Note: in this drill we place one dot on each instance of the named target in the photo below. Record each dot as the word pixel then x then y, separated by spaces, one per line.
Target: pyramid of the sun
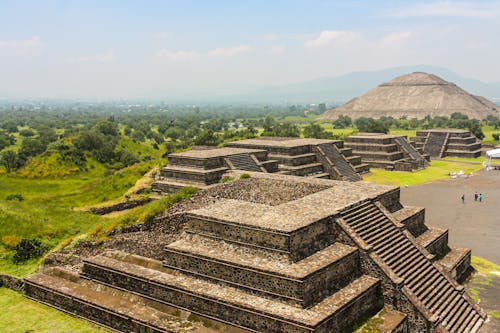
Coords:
pixel 416 95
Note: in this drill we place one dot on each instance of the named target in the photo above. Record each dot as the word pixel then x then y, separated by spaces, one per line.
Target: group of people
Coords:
pixel 477 197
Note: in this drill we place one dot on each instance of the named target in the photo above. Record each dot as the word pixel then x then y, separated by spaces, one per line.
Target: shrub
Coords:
pixel 10 241
pixel 496 136
pixel 28 249
pixel 17 196
pixel 244 176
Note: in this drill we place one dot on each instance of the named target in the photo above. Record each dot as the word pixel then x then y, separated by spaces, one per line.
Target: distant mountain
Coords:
pixel 342 88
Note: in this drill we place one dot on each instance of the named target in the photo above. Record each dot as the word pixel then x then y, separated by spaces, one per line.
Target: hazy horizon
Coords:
pixel 177 49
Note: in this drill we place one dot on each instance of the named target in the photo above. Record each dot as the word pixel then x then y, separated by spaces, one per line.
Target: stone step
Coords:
pixel 466 320
pixel 386 321
pixel 434 240
pixel 362 168
pixel 304 282
pixel 321 175
pixel 427 284
pixel 389 245
pixel 388 231
pixel 115 309
pixel 413 264
pixel 375 224
pixel 429 294
pixel 390 237
pixel 370 156
pixel 244 162
pixel 348 214
pixel 410 264
pixel 398 253
pixel 457 313
pixel 304 169
pixel 420 276
pixel 207 176
pixel 447 307
pixel 172 185
pixel 353 159
pixel 294 160
pixel 363 217
pixel 358 299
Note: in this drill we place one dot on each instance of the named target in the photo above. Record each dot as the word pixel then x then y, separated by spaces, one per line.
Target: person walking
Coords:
pixel 475 196
pixel 480 197
pixel 463 198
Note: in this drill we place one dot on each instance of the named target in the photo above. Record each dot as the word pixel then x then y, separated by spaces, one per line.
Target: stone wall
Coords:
pixel 83 309
pixel 119 206
pixel 190 300
pixel 299 244
pixel 306 291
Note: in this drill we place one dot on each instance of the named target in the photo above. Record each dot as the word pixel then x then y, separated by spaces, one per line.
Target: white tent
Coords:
pixel 492 154
pixel 495 153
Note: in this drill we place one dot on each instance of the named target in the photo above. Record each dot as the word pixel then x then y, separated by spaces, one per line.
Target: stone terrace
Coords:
pixel 391 152
pixel 440 143
pixel 322 261
pixel 316 158
pixel 205 166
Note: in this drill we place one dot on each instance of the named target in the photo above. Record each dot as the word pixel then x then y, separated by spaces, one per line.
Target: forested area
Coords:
pixel 75 132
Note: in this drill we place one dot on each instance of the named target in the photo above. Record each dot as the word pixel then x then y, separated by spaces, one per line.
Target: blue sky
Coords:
pixel 178 49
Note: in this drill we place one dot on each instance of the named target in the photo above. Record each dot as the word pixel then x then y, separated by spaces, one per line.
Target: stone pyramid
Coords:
pixel 416 95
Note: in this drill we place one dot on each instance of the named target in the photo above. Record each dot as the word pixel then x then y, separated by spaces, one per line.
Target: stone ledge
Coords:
pixel 179 288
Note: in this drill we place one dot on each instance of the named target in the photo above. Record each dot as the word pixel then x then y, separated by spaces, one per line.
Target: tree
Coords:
pixel 475 128
pixel 371 125
pixel 207 138
pixel 9 160
pixel 286 130
pixel 107 127
pixel 314 130
pixel 342 122
pixel 32 147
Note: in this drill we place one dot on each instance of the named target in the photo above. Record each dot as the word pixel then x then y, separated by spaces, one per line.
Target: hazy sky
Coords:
pixel 165 49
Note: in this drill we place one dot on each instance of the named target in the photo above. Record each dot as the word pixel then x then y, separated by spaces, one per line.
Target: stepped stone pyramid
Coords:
pixel 415 95
pixel 205 166
pixel 276 253
pixel 447 142
pixel 391 152
pixel 309 157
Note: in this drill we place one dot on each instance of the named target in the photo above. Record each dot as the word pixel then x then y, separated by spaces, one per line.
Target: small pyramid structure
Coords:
pixel 415 95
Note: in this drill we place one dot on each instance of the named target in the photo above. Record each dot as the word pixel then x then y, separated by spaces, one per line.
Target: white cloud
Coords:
pixel 22 47
pixel 177 55
pixel 448 9
pixel 229 51
pixel 105 57
pixel 327 37
pixel 396 38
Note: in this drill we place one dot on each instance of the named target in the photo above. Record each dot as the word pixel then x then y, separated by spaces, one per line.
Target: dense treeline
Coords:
pixel 79 131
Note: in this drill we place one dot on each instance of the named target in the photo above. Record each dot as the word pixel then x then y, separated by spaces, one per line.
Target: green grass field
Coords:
pixel 21 315
pixel 439 169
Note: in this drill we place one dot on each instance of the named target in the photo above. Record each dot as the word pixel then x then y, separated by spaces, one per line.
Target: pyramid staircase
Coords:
pixel 244 162
pixel 338 161
pixel 440 143
pixel 411 151
pixel 439 295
